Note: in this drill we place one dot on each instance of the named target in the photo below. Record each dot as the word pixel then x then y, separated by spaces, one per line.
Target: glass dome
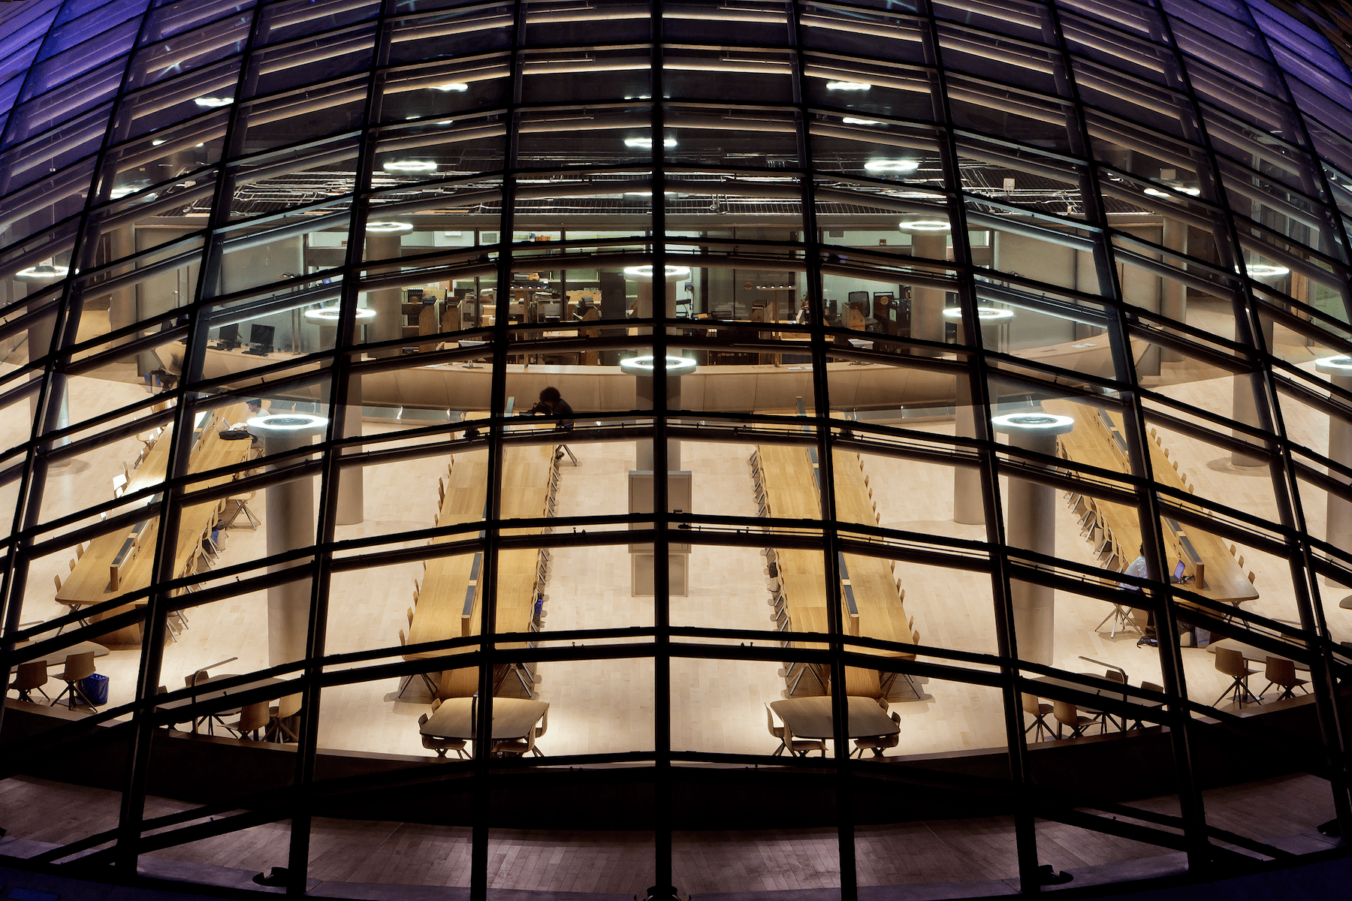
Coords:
pixel 989 523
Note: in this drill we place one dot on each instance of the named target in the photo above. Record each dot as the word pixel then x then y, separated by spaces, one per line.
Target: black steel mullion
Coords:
pixel 1025 834
pixel 1336 731
pixel 330 485
pixel 138 755
pixel 831 547
pixel 1148 512
pixel 662 770
pixel 488 582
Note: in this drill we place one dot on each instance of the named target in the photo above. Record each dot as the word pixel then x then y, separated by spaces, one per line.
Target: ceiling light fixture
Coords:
pixel 924 225
pixel 647 271
pixel 847 86
pixel 213 102
pixel 1265 270
pixel 333 314
pixel 410 166
pixel 456 87
pixel 647 143
pixel 43 272
pixel 902 166
pixel 388 228
pixel 851 120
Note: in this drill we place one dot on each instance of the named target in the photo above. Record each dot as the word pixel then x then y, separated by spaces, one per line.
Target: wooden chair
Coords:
pixel 78 667
pixel 1282 672
pixel 241 502
pixel 440 745
pixel 1033 706
pixel 801 747
pixel 1232 663
pixel 252 717
pixel 1067 715
pixel 410 619
pixel 515 747
pixel 431 686
pixel 775 731
pixel 30 677
pixel 879 743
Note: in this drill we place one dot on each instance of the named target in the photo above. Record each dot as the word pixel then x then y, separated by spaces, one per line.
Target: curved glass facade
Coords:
pixel 1005 423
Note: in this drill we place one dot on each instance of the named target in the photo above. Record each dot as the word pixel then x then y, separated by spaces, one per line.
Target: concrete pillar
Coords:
pixel 39 345
pixel 927 304
pixel 122 302
pixel 290 524
pixel 642 556
pixel 1174 294
pixel 351 508
pixel 388 302
pixel 1245 406
pixel 1030 514
pixel 968 507
pixel 1338 528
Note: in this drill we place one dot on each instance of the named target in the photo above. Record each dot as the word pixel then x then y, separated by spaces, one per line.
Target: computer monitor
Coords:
pixel 1178 571
pixel 260 336
pixel 230 335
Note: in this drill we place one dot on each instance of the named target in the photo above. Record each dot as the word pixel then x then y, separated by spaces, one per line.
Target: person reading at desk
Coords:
pixel 552 404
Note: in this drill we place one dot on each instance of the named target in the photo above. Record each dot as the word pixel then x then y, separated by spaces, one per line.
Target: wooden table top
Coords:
pixel 206 693
pixel 90 581
pixel 1100 688
pixel 1091 443
pixel 512 718
pixel 811 717
pixel 1251 653
pixel 58 657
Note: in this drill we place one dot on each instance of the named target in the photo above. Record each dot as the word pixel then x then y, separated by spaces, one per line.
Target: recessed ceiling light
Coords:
pixel 647 143
pixel 213 102
pixel 43 272
pixel 410 166
pixel 851 120
pixel 647 271
pixel 457 87
pixel 902 166
pixel 157 142
pixel 924 225
pixel 388 227
pixel 847 86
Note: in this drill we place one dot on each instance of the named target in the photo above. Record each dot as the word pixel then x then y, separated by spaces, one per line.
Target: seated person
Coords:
pixel 552 404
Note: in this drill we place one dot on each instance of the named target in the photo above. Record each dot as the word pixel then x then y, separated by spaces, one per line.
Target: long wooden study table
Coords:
pixel 449 604
pixel 1097 440
pixel 872 601
pixel 132 550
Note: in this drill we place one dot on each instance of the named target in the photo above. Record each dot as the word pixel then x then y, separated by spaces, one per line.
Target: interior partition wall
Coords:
pixel 945 290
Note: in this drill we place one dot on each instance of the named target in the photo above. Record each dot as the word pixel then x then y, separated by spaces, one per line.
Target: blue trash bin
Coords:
pixel 95 688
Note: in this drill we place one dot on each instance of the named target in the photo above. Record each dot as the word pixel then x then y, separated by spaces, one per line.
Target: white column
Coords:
pixel 1030 516
pixel 927 304
pixel 351 482
pixel 291 524
pixel 386 302
pixel 1245 407
pixel 1338 527
pixel 968 507
pixel 1173 293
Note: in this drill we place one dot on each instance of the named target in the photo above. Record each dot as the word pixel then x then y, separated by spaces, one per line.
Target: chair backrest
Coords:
pixel 253 716
pixel 289 706
pixel 1113 675
pixel 195 678
pixel 79 666
pixel 1065 712
pixel 544 724
pixel 422 720
pixel 1281 671
pixel 1230 662
pixel 776 731
pixel 58 582
pixel 31 675
pixel 1151 686
pixel 436 704
pixel 1030 704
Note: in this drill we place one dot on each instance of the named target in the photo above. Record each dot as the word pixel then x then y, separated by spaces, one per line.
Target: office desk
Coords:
pixel 513 718
pixel 90 582
pixel 1092 443
pixel 811 718
pixel 206 693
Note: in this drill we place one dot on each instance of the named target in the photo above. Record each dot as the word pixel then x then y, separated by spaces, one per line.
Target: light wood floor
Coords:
pixel 717 705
